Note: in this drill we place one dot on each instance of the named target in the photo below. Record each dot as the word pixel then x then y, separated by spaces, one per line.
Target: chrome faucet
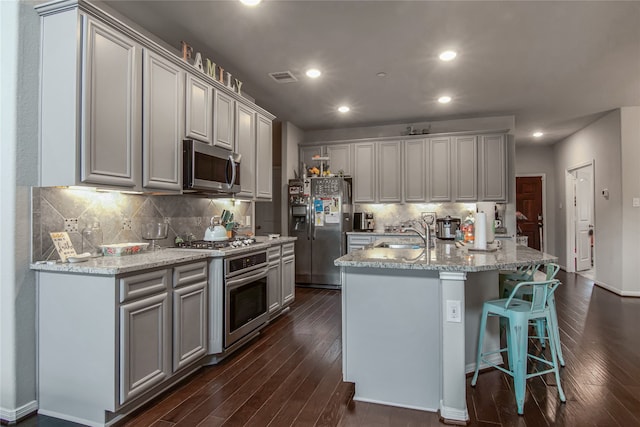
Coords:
pixel 426 236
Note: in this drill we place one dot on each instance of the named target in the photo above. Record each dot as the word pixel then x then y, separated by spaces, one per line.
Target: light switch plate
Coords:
pixel 636 202
pixel 453 311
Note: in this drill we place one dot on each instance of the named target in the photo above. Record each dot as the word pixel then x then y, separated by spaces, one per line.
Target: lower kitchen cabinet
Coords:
pixel 281 277
pixel 109 343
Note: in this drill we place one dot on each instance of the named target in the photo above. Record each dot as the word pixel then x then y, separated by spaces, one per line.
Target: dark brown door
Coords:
pixel 529 203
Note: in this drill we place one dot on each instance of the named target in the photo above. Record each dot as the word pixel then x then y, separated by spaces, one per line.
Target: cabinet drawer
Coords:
pixel 141 285
pixel 189 273
pixel 288 249
pixel 360 240
pixel 273 253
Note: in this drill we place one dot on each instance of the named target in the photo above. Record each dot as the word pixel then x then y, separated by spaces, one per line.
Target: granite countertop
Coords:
pixel 111 266
pixel 376 233
pixel 444 257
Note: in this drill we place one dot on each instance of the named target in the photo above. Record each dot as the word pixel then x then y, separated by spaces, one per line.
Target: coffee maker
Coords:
pixel 363 221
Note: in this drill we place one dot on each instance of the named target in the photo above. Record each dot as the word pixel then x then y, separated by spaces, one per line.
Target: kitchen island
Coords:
pixel 410 320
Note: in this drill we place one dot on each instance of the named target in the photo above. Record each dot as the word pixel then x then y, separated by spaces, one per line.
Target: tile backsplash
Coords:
pixel 121 216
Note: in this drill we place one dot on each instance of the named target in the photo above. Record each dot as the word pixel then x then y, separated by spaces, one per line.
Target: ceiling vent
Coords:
pixel 283 77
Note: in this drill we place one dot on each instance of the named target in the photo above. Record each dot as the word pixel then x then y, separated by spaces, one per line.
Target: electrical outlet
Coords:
pixel 167 220
pixel 71 225
pixel 126 223
pixel 453 311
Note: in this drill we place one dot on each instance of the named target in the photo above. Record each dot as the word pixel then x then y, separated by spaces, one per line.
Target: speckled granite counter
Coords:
pixel 111 266
pixel 444 257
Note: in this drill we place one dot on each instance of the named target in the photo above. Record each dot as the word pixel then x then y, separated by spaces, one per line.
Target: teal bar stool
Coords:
pixel 519 313
pixel 525 293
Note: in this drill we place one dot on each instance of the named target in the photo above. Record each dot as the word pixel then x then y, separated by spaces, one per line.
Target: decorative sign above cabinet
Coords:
pixel 211 69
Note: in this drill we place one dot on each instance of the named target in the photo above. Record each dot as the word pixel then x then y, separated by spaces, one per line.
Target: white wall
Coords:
pixel 630 136
pixel 291 138
pixel 19 32
pixel 470 124
pixel 600 141
pixel 532 160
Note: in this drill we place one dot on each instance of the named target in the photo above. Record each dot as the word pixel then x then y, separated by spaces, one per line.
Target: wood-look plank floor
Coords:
pixel 291 375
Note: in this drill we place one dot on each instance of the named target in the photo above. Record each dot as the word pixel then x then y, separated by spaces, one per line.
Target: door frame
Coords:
pixel 570 216
pixel 545 227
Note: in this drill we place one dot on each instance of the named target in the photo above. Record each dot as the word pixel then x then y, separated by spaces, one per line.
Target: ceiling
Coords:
pixel 555 66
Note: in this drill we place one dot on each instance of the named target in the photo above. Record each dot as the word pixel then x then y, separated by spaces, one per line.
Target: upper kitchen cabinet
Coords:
pixel 339 158
pixel 440 169
pixel 90 103
pixel 223 120
pixel 307 153
pixel 465 168
pixel 389 172
pixel 264 157
pixel 415 170
pixel 162 118
pixel 493 167
pixel 246 147
pixel 364 172
pixel 199 109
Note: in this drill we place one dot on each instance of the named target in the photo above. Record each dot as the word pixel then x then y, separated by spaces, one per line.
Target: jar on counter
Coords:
pixel 92 239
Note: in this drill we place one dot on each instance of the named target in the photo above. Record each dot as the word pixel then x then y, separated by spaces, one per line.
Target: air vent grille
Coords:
pixel 283 77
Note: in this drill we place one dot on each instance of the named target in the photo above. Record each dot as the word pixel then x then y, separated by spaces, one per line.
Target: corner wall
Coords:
pixel 599 142
pixel 291 137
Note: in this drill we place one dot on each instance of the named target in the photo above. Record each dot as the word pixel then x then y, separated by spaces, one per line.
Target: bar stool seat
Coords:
pixel 518 313
pixel 525 293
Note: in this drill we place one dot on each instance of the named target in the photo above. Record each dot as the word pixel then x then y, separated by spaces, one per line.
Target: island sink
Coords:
pixel 400 246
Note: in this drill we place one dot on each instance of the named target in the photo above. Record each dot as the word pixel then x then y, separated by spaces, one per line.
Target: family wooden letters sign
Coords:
pixel 210 68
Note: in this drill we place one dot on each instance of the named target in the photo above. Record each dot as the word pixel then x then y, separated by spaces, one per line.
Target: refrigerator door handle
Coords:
pixel 310 221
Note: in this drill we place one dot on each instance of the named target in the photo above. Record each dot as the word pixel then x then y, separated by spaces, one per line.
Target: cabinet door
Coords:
pixel 189 324
pixel 111 127
pixel 439 170
pixel 415 170
pixel 163 101
pixel 246 146
pixel 355 243
pixel 145 345
pixel 288 279
pixel 364 172
pixel 389 171
pixel 493 168
pixel 274 288
pixel 339 158
pixel 224 112
pixel 264 156
pixel 198 110
pixel 465 164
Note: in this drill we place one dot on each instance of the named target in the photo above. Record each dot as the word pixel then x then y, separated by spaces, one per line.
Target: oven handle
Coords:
pixel 247 278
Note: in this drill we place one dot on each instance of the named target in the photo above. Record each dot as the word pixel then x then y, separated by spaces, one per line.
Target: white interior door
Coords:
pixel 583 202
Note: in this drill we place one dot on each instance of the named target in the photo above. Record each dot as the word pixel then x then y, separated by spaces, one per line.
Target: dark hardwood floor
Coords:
pixel 291 375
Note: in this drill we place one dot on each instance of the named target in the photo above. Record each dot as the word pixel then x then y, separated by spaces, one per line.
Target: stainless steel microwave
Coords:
pixel 209 169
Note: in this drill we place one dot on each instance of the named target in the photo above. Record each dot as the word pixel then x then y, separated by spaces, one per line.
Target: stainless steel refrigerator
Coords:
pixel 320 217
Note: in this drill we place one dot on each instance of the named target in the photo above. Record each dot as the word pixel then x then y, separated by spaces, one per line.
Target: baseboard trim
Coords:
pixel 616 290
pixel 13 415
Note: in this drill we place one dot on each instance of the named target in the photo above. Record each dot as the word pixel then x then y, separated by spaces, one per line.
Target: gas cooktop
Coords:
pixel 225 244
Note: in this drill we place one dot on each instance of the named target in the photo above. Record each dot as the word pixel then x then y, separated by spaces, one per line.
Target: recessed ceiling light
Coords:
pixel 250 2
pixel 381 74
pixel 448 55
pixel 444 99
pixel 343 109
pixel 538 134
pixel 313 73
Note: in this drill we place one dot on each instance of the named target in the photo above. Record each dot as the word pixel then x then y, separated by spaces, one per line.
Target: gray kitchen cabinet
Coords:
pixel 274 281
pixel 246 146
pixel 465 168
pixel 440 169
pixel 162 118
pixel 493 168
pixel 264 158
pixel 224 112
pixel 364 172
pixel 357 242
pixel 389 172
pixel 189 313
pixel 288 274
pixel 198 109
pixel 145 333
pixel 339 158
pixel 415 170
